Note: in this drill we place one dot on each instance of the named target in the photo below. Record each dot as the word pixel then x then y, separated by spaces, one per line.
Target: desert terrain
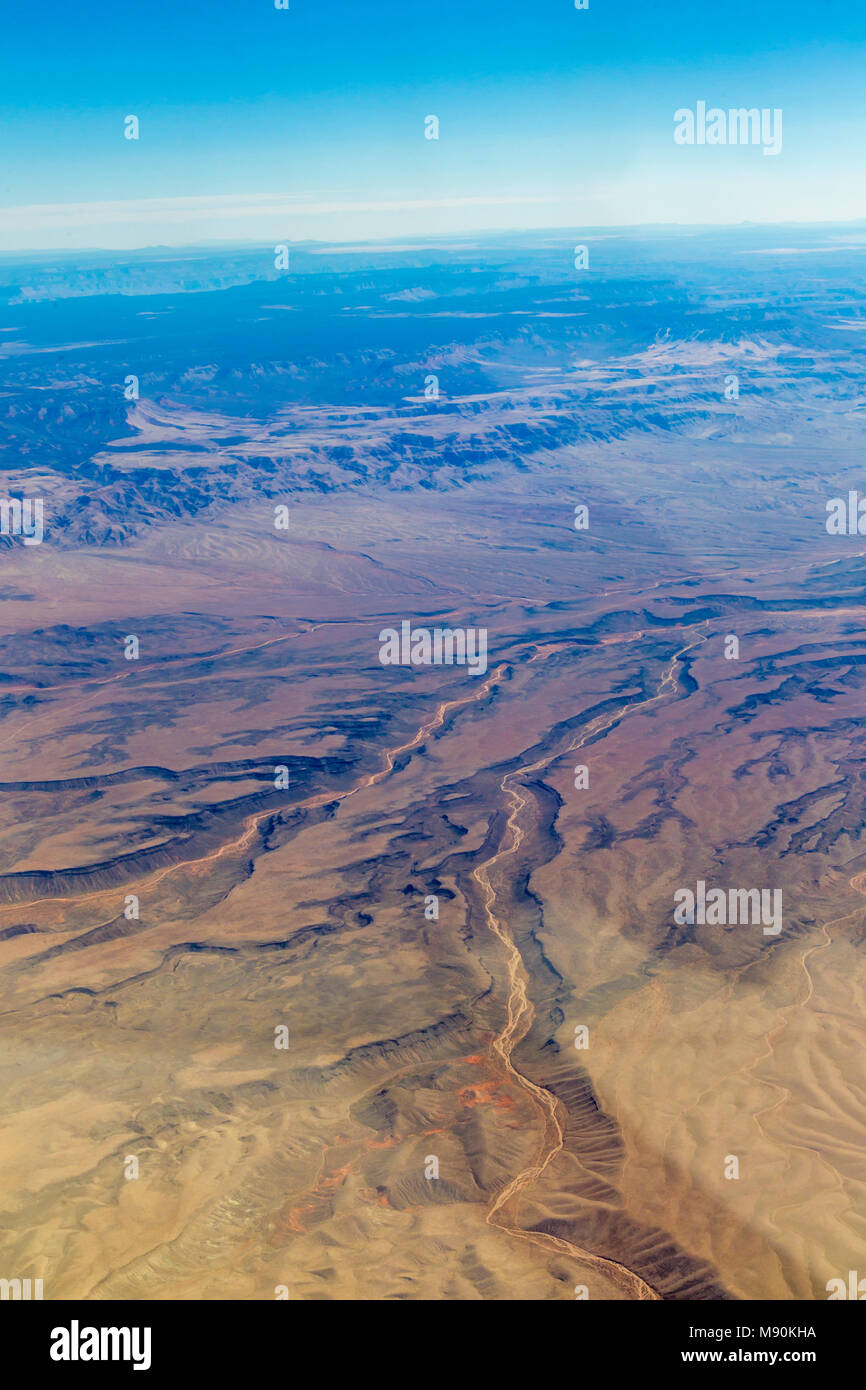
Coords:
pixel 330 979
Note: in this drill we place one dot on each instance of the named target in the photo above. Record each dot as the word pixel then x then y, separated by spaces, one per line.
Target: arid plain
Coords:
pixel 576 1068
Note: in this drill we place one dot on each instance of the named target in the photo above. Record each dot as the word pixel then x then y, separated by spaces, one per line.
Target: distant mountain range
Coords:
pixel 163 385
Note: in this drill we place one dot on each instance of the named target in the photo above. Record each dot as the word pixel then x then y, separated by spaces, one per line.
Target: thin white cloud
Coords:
pixel 147 211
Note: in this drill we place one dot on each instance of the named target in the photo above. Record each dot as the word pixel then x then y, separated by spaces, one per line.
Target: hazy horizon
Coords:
pixel 445 240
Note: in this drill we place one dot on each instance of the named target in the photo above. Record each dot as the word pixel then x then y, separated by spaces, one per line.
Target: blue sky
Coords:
pixel 309 123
